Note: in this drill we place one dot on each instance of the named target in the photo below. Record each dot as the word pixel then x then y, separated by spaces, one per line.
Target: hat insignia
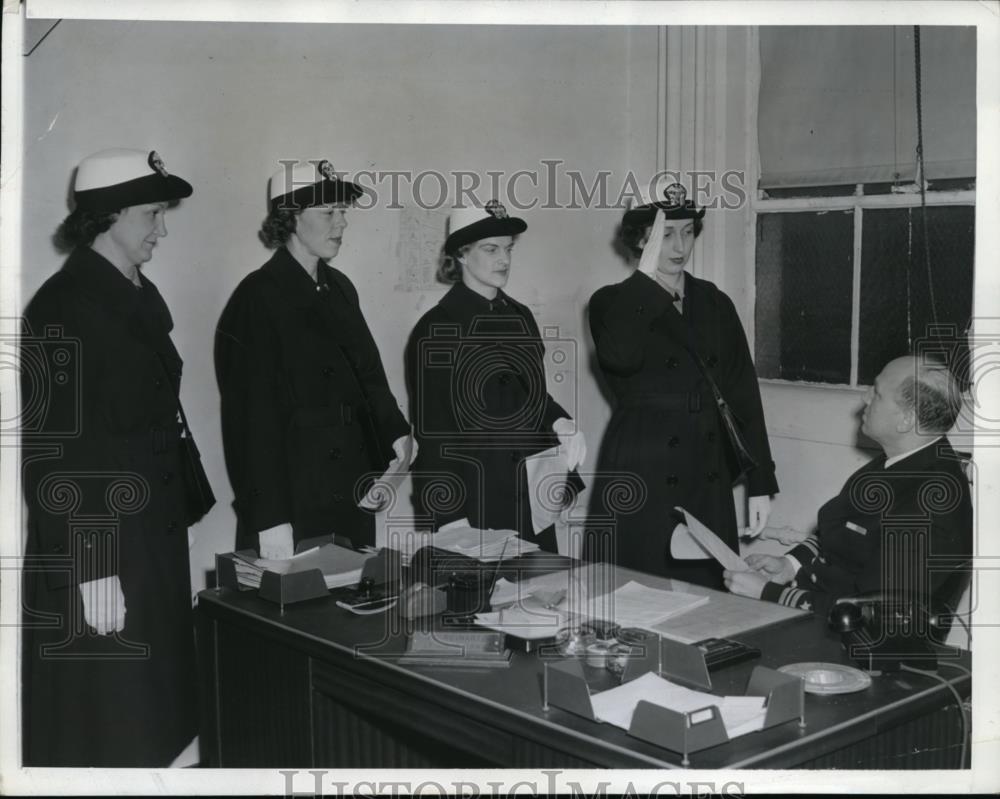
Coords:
pixel 325 168
pixel 156 164
pixel 496 209
pixel 675 194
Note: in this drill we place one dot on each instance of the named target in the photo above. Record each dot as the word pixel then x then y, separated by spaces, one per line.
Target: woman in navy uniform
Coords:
pixel 109 676
pixel 476 379
pixel 664 445
pixel 307 412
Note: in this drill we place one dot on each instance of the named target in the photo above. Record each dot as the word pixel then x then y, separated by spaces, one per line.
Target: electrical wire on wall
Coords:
pixel 922 184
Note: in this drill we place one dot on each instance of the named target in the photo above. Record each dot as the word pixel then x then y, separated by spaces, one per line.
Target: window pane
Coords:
pixel 803 312
pixel 895 298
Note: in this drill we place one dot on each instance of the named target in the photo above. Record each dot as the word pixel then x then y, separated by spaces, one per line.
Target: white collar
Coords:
pixel 897 458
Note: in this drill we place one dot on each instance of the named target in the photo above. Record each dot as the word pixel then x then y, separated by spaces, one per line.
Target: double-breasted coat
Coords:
pixel 905 528
pixel 664 444
pixel 479 406
pixel 307 412
pixel 104 493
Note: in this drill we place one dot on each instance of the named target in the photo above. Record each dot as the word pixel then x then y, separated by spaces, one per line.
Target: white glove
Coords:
pixel 572 439
pixel 378 495
pixel 399 447
pixel 277 543
pixel 650 257
pixel 104 605
pixel 758 511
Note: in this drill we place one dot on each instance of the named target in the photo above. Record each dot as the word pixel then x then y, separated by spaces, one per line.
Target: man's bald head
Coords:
pixel 930 391
pixel 910 402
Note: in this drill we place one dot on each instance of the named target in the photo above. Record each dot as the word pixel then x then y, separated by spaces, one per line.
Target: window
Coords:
pixel 844 280
pixel 843 285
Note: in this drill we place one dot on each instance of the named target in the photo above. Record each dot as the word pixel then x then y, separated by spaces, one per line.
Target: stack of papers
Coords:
pixel 486 546
pixel 338 565
pixel 740 714
pixel 529 623
pixel 637 605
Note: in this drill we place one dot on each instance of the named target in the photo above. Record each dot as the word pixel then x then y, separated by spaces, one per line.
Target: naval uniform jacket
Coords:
pixel 663 446
pixel 307 414
pixel 479 406
pixel 102 482
pixel 904 528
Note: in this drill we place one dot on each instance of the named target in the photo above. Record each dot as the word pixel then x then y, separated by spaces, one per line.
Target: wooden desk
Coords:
pixel 318 687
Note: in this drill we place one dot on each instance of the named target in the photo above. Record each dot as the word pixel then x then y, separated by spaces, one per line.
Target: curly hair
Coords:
pixel 632 235
pixel 450 270
pixel 277 227
pixel 81 227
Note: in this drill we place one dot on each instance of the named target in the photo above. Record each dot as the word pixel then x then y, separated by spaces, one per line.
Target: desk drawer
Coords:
pixel 359 722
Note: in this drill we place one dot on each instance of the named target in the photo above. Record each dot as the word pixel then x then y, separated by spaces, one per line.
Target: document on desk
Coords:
pixel 740 714
pixel 486 546
pixel 546 472
pixel 712 544
pixel 339 566
pixel 637 605
pixel 525 621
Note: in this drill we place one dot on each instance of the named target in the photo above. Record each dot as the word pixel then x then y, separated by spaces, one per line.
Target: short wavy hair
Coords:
pixel 278 227
pixel 450 270
pixel 632 235
pixel 81 227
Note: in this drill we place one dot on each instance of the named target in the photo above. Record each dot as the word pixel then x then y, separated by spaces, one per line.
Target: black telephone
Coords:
pixel 882 632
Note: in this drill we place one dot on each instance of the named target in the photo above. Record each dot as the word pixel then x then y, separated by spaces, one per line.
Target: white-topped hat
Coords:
pixel 466 225
pixel 305 184
pixel 118 178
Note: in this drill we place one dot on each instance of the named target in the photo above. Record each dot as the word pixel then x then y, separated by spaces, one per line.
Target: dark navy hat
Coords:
pixel 674 205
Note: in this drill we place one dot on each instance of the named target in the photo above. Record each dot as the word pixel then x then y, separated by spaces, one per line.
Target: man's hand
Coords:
pixel 786 535
pixel 748 583
pixel 572 439
pixel 277 543
pixel 758 511
pixel 104 605
pixel 776 569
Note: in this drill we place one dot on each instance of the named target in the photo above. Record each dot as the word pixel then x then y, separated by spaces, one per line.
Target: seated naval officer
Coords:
pixel 902 522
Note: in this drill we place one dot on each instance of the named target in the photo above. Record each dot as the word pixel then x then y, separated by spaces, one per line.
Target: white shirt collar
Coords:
pixel 897 458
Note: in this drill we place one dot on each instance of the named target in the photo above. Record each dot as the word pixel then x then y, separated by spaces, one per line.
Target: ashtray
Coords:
pixel 825 679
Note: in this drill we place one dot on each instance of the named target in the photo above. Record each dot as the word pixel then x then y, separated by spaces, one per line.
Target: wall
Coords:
pixel 222 103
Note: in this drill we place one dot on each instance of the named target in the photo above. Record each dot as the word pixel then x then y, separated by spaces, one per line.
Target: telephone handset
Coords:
pixel 882 631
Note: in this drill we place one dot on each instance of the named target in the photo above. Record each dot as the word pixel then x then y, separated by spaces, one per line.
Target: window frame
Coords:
pixel 857 202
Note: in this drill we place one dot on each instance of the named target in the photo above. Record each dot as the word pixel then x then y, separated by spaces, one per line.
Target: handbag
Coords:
pixel 739 461
pixel 198 495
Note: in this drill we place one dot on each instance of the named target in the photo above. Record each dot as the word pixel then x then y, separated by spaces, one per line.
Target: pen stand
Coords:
pixel 565 686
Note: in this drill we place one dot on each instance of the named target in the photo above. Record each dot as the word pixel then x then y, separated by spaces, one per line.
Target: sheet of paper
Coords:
pixel 486 546
pixel 740 714
pixel 338 565
pixel 504 592
pixel 712 544
pixel 385 486
pixel 683 545
pixel 546 472
pixel 637 605
pixel 524 621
